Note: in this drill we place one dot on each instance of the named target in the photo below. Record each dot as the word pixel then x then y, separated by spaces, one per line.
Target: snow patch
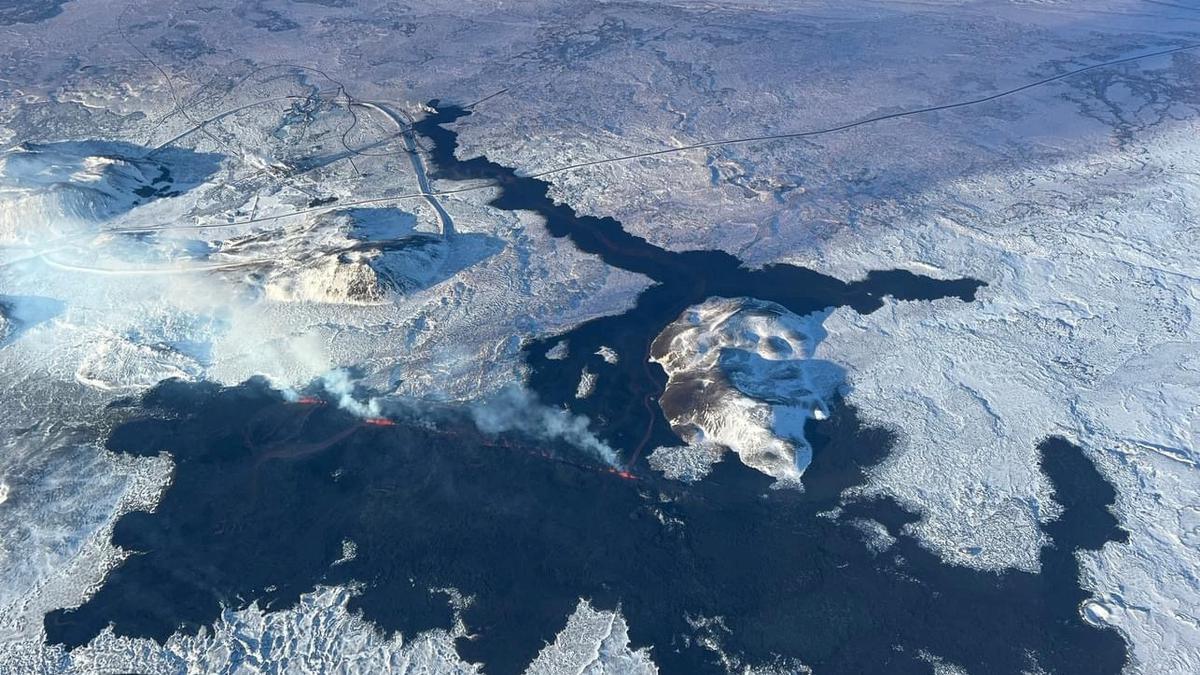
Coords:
pixel 587 384
pixel 609 354
pixel 318 635
pixel 686 463
pixel 559 351
pixel 593 642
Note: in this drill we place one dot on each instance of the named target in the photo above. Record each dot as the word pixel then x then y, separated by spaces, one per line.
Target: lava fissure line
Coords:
pixel 684 278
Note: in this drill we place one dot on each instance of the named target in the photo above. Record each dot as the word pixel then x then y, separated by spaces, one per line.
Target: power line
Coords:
pixel 870 120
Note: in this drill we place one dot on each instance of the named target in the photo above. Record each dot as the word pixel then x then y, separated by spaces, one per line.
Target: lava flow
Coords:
pixel 622 473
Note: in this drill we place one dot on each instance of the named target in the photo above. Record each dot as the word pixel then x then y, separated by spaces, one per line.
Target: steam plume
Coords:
pixel 515 408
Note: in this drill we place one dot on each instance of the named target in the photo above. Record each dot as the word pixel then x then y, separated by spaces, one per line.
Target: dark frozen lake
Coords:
pixel 266 491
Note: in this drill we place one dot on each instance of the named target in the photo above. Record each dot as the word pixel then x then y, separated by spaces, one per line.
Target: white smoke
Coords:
pixel 340 384
pixel 513 409
pixel 517 409
pixel 134 272
pixel 116 290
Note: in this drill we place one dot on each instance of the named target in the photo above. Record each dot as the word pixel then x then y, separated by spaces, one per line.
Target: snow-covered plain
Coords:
pixel 1075 201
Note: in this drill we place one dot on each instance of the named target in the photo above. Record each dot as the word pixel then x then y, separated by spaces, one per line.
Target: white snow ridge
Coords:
pixel 741 376
pixel 63 186
pixel 337 258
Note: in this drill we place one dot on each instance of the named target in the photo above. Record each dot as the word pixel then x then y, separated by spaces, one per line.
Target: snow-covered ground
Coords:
pixel 1076 201
pixel 1087 329
pixel 320 635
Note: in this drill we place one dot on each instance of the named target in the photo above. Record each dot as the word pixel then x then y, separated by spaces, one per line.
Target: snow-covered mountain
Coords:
pixel 49 189
pixel 741 375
